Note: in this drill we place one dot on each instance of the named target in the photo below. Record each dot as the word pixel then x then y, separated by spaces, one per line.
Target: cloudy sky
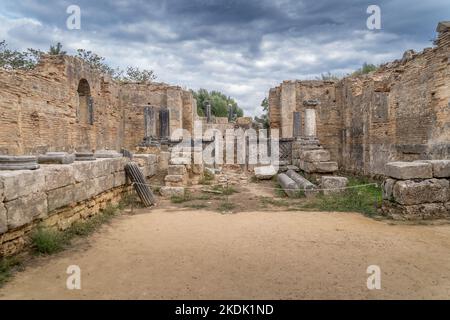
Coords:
pixel 240 47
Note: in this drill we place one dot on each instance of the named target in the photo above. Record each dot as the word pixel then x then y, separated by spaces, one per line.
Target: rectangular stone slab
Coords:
pixel 409 170
pixel 409 192
pixel 315 155
pixel 441 168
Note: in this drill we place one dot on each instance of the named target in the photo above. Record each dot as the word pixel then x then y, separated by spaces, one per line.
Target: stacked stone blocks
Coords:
pixel 417 190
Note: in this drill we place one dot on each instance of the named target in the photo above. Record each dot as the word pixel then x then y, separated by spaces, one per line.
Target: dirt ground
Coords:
pixel 173 253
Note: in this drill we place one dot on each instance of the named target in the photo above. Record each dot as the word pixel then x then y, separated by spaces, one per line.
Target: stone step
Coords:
pixel 177 169
pixel 318 167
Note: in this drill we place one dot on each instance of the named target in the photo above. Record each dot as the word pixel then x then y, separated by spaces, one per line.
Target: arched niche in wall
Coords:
pixel 85 104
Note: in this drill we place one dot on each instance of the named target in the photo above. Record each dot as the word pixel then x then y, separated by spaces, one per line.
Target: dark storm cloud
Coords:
pixel 239 47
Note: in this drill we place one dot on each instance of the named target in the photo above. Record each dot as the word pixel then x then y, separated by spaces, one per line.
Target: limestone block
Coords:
pixel 103 167
pixel 56 158
pixel 84 190
pixel 408 192
pixel 198 169
pixel 21 183
pixel 177 170
pixel 333 184
pixel 120 179
pixel 441 168
pixel 57 176
pixel 265 173
pixel 83 171
pixel 104 184
pixel 315 155
pixel 409 170
pixel 425 211
pixel 61 197
pixel 25 209
pixel 318 167
pixel 107 154
pixel 168 192
pixel 184 161
pixel 118 164
pixel 152 170
pixel 164 160
pixel 3 220
pixel 388 189
pixel 289 186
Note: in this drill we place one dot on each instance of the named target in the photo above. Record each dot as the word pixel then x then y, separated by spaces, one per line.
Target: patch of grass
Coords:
pixel 254 179
pixel 49 241
pixel 207 179
pixel 226 206
pixel 364 200
pixel 279 192
pixel 181 199
pixel 7 266
pixel 197 206
pixel 274 202
pixel 226 191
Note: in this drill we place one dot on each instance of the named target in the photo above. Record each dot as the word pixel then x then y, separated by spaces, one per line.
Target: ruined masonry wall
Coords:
pixel 59 195
pixel 401 112
pixel 39 109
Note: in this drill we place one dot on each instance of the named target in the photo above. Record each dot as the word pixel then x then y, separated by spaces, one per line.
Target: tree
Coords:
pixel 13 59
pixel 219 103
pixel 56 50
pixel 365 69
pixel 264 119
pixel 136 75
pixel 328 77
pixel 95 61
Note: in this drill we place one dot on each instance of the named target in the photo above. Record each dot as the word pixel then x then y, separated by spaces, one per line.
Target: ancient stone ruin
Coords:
pixel 67 133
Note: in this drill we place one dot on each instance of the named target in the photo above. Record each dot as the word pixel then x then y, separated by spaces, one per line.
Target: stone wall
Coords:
pixel 42 110
pixel 417 190
pixel 59 195
pixel 399 112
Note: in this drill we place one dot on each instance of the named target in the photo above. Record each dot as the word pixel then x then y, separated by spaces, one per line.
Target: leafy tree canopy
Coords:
pixel 219 103
pixel 27 60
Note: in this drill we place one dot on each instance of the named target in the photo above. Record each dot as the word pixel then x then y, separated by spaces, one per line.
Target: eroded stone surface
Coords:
pixel 18 163
pixel 172 191
pixel 23 182
pixel 408 192
pixel 315 155
pixel 102 154
pixel 409 170
pixel 3 220
pixel 265 173
pixel 333 184
pixel 177 170
pixel 388 189
pixel 318 167
pixel 56 158
pixel 25 209
pixel 441 168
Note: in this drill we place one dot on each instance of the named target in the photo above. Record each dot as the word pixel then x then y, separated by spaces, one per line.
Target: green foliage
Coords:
pixel 365 69
pixel 219 103
pixel 328 77
pixel 274 202
pixel 96 62
pixel 6 267
pixel 13 59
pixel 133 74
pixel 364 199
pixel 226 206
pixel 227 191
pixel 264 118
pixel 48 241
pixel 56 50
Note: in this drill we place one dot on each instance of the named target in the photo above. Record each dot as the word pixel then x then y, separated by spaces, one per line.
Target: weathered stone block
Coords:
pixel 3 220
pixel 184 161
pixel 57 176
pixel 408 192
pixel 318 167
pixel 426 211
pixel 120 179
pixel 21 183
pixel 164 160
pixel 265 173
pixel 107 154
pixel 388 189
pixel 441 168
pixel 174 178
pixel 409 170
pixel 315 155
pixel 172 192
pixel 289 186
pixel 61 197
pixel 177 170
pixel 333 184
pixel 302 183
pixel 24 210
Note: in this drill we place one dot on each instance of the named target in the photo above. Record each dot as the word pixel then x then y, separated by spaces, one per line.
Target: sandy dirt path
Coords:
pixel 164 254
